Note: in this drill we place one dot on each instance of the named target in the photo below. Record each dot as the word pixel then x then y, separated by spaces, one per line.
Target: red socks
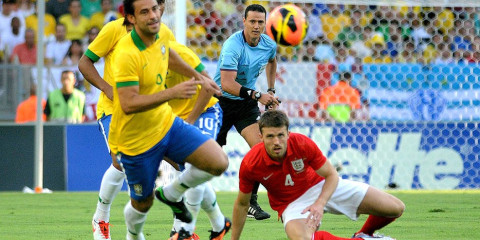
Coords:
pixel 322 235
pixel 374 223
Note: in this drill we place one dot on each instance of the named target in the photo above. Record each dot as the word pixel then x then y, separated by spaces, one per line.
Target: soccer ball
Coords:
pixel 287 25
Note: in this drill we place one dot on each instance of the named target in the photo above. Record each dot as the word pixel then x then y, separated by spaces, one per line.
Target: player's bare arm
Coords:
pixel 240 209
pixel 132 101
pixel 316 209
pixel 203 98
pixel 271 71
pixel 176 63
pixel 91 74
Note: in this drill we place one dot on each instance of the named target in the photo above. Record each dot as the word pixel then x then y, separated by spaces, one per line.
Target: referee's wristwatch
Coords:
pixel 271 90
pixel 257 95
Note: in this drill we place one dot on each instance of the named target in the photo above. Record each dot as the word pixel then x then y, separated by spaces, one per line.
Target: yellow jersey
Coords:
pixel 183 107
pixel 103 46
pixel 145 67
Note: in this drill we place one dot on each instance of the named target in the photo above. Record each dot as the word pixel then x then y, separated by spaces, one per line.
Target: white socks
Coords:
pixel 194 197
pixel 210 206
pixel 189 178
pixel 112 182
pixel 202 196
pixel 134 220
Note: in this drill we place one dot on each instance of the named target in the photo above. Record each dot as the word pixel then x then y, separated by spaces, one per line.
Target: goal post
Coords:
pixel 415 65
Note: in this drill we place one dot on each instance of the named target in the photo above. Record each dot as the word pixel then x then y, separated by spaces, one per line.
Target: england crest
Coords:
pixel 298 165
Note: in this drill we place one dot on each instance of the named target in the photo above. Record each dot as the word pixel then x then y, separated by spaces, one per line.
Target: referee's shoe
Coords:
pixel 255 211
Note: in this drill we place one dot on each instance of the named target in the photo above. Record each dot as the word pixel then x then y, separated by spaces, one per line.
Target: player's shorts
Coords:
pixel 345 200
pixel 238 113
pixel 141 170
pixel 104 127
pixel 210 121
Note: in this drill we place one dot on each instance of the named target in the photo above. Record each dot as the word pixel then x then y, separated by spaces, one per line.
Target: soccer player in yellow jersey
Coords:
pixel 144 129
pixel 204 112
pixel 103 46
pixel 113 178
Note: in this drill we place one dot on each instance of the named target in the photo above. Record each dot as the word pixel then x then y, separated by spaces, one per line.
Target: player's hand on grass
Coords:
pixel 315 217
pixel 185 89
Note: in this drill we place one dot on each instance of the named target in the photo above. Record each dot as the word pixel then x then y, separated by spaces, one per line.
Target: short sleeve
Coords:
pixel 245 183
pixel 126 68
pixel 273 53
pixel 229 57
pixel 104 42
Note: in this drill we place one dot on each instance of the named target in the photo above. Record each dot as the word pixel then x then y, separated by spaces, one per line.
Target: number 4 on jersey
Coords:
pixel 288 180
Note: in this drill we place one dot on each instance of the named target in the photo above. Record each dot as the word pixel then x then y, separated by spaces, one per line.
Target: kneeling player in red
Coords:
pixel 302 185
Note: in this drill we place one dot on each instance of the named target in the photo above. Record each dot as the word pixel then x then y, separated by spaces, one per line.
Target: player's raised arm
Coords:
pixel 240 209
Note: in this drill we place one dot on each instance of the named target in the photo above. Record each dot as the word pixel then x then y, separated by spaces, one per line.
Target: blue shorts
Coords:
pixel 104 127
pixel 141 170
pixel 209 123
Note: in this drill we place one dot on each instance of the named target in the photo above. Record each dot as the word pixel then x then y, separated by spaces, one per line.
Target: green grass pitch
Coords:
pixel 434 215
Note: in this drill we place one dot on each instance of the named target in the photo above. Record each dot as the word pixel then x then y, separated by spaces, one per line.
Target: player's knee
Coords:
pixel 399 208
pixel 221 164
pixel 143 205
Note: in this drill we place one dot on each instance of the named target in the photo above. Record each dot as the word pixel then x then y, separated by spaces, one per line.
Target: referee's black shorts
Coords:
pixel 238 113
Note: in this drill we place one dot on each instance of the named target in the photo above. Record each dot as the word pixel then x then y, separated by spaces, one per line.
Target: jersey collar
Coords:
pixel 138 41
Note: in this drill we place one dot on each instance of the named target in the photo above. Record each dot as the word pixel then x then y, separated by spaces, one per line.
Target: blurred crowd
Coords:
pixel 70 25
pixel 351 33
pixel 337 33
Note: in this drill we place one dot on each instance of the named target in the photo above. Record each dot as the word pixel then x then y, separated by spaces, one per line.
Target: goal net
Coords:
pixel 388 90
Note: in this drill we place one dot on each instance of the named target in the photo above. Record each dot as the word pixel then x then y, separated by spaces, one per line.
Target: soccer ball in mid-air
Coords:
pixel 287 25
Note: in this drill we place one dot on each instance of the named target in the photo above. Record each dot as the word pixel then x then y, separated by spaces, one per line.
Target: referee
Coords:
pixel 245 55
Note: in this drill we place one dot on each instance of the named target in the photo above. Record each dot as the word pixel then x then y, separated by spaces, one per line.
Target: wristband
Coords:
pixel 271 90
pixel 246 92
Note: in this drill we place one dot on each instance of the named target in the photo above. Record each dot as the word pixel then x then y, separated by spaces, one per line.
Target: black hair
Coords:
pixel 129 9
pixel 255 8
pixel 273 118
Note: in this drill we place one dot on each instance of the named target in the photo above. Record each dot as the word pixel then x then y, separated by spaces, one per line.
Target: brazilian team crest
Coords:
pixel 298 165
pixel 138 189
pixel 164 50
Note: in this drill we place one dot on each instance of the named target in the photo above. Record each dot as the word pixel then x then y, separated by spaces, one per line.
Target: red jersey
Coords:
pixel 285 181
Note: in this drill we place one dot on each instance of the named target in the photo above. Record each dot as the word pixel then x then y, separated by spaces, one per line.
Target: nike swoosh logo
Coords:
pixel 206 133
pixel 267 177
